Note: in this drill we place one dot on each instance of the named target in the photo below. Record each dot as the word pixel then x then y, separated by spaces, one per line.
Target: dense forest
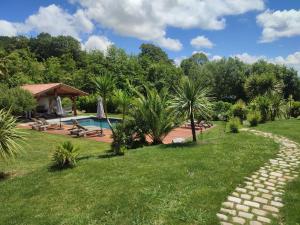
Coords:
pixel 46 59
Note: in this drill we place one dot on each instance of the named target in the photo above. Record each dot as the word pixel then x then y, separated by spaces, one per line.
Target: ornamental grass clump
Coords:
pixel 65 155
pixel 253 118
pixel 234 124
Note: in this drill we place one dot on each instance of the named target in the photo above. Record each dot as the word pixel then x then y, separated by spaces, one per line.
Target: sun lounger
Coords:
pixel 42 125
pixel 90 131
pixel 81 131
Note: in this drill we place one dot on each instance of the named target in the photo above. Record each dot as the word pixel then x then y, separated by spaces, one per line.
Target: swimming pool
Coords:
pixel 93 121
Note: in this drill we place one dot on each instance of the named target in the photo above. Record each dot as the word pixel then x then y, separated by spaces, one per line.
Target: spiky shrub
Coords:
pixel 192 98
pixel 234 124
pixel 239 110
pixel 9 136
pixel 263 104
pixel 119 139
pixel 65 155
pixel 253 118
pixel 152 114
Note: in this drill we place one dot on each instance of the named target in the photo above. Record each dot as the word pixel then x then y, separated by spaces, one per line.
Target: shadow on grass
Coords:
pixel 6 175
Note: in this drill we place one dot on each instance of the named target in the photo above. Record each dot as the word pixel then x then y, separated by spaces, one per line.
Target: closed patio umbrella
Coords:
pixel 100 110
pixel 59 110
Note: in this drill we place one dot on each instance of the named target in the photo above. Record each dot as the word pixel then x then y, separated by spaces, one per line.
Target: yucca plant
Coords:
pixel 65 155
pixel 190 99
pixel 9 136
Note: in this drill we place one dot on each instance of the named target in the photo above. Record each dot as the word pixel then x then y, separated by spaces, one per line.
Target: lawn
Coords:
pixel 153 185
pixel 290 129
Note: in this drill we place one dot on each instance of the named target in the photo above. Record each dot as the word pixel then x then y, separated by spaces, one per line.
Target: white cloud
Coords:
pixel 292 60
pixel 179 59
pixel 7 28
pixel 51 19
pixel 97 43
pixel 148 20
pixel 169 43
pixel 201 42
pixel 246 58
pixel 216 57
pixel 279 24
pixel 203 52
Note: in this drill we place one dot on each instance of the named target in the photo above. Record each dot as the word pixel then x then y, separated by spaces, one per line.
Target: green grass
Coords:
pixel 152 185
pixel 290 129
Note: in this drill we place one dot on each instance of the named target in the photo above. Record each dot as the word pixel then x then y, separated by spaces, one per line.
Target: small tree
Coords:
pixel 9 136
pixel 123 101
pixel 191 98
pixel 105 86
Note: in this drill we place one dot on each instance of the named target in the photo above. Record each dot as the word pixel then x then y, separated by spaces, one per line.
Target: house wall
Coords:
pixel 47 102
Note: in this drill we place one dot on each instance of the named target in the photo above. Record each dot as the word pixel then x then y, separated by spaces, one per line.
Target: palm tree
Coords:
pixel 123 101
pixel 3 69
pixel 9 136
pixel 152 115
pixel 190 99
pixel 105 86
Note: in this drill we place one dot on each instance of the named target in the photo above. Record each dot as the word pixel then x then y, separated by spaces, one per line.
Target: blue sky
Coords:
pixel 250 30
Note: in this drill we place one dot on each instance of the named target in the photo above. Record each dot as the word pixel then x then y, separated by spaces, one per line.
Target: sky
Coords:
pixel 247 29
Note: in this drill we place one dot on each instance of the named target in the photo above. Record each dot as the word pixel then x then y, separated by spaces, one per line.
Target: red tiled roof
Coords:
pixel 60 88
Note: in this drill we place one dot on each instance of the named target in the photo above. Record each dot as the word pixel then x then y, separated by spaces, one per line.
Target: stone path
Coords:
pixel 258 200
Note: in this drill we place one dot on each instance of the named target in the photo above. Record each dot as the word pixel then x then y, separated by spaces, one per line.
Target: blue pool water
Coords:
pixel 93 121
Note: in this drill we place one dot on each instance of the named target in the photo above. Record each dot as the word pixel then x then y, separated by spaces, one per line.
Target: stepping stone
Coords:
pixel 260 197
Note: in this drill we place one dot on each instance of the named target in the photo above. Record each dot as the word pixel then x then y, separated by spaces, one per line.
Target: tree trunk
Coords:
pixel 193 126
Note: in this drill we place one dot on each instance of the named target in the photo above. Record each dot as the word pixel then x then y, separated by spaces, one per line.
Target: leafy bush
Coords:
pixel 88 103
pixel 239 110
pixel 234 124
pixel 253 118
pixel 17 100
pixel 295 109
pixel 65 155
pixel 66 103
pixel 221 110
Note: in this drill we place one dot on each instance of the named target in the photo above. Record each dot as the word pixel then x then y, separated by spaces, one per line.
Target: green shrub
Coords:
pixel 295 109
pixel 66 103
pixel 239 110
pixel 234 124
pixel 65 155
pixel 263 104
pixel 17 100
pixel 119 139
pixel 221 110
pixel 88 103
pixel 253 118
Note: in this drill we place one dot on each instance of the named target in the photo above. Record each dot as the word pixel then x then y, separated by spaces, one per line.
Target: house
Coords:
pixel 46 95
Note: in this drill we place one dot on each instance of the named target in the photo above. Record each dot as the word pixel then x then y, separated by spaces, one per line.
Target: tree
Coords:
pixel 152 114
pixel 193 63
pixel 105 86
pixel 123 101
pixel 192 98
pixel 226 78
pixel 17 100
pixel 261 84
pixel 153 53
pixel 9 136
